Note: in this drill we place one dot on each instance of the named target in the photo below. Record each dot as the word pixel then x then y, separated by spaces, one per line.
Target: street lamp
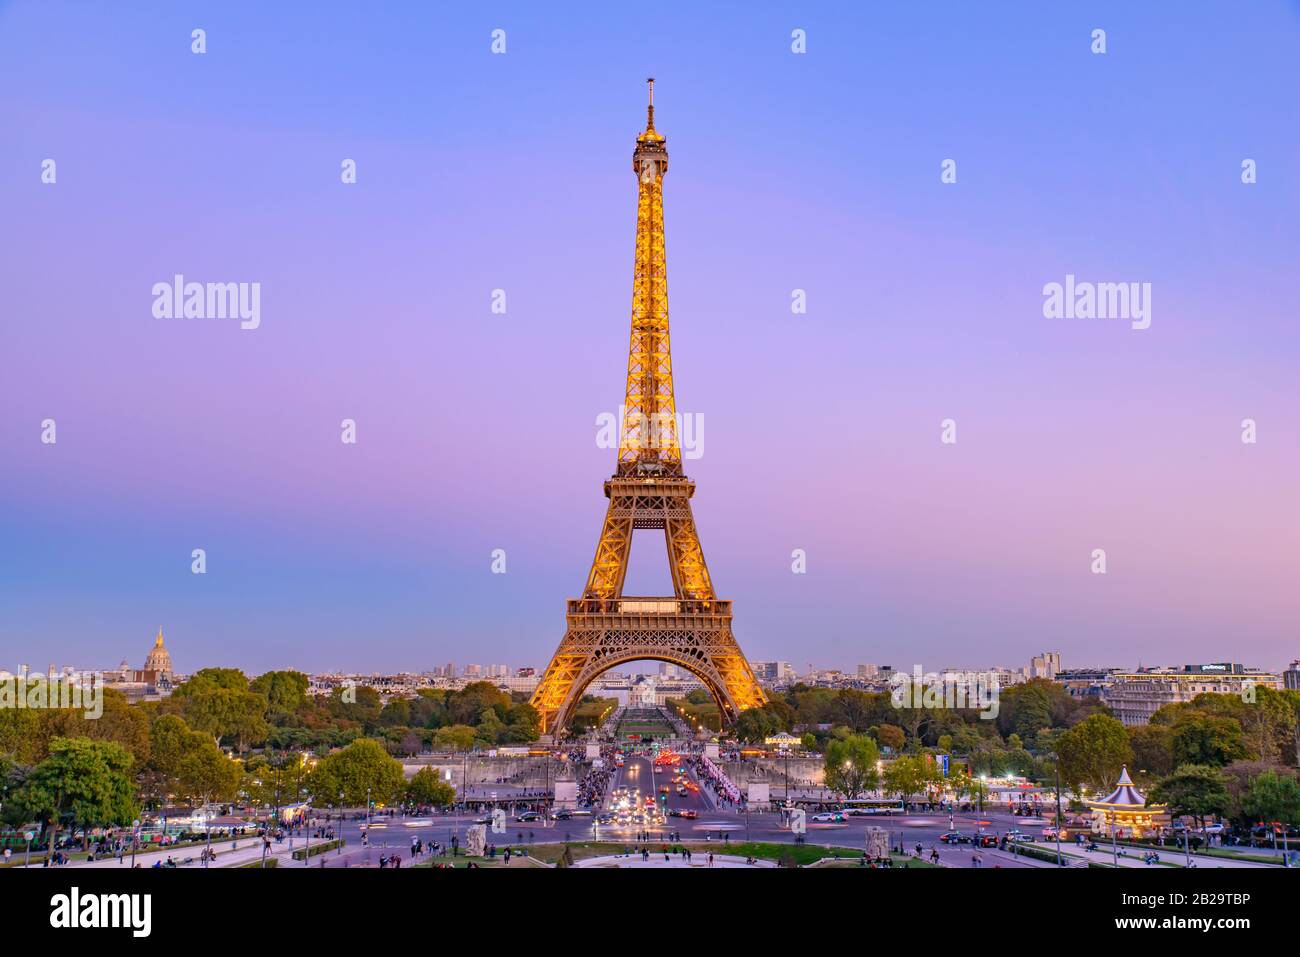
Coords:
pixel 1058 810
pixel 135 839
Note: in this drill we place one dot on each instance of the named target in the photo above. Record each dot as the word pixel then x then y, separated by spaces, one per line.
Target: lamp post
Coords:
pixel 1114 840
pixel 1058 810
pixel 207 830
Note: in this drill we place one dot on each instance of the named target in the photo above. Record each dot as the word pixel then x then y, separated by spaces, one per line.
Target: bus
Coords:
pixel 858 807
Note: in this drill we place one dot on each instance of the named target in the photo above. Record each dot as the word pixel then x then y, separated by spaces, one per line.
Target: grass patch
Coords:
pixel 516 862
pixel 800 854
pixel 304 853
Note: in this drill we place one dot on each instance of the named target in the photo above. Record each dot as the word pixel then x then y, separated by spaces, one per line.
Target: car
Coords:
pixel 828 816
pixel 563 815
pixel 528 816
pixel 1214 829
pixel 686 813
pixel 1015 834
pixel 987 840
pixel 954 837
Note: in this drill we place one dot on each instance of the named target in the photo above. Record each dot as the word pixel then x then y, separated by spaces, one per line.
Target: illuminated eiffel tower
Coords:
pixel 648 490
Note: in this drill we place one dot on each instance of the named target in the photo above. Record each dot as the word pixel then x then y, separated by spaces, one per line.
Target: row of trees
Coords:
pixel 61 768
pixel 275 710
pixel 85 783
pixel 1217 755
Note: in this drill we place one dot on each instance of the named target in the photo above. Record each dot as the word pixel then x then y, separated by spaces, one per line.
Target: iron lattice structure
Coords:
pixel 648 490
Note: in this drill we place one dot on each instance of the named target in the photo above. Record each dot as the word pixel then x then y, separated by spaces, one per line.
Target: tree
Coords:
pixel 1195 789
pixel 233 713
pixel 891 736
pixel 455 737
pixel 909 776
pixel 206 774
pixel 120 723
pixel 1093 752
pixel 429 708
pixel 1273 798
pixel 426 788
pixel 754 725
pixel 1152 748
pixel 21 734
pixel 12 778
pixel 912 718
pixel 467 705
pixel 272 783
pixel 361 769
pixel 86 780
pixel 189 764
pixel 1207 739
pixel 285 692
pixel 851 765
pixel 525 724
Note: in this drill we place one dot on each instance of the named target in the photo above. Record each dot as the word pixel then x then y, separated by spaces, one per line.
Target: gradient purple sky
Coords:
pixel 476 431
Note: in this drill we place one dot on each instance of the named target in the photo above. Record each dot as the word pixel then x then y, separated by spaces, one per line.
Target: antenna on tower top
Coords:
pixel 650 110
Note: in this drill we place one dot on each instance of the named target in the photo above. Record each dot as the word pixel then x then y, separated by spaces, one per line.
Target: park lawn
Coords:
pixel 803 854
pixel 516 862
pixel 900 861
pixel 1234 855
pixel 17 859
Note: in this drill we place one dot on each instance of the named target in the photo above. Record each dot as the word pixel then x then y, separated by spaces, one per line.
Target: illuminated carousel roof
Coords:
pixel 1125 795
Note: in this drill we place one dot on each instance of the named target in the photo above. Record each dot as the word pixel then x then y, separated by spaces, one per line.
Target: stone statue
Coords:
pixel 877 842
pixel 476 840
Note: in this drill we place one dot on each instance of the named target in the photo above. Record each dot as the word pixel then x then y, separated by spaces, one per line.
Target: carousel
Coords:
pixel 1124 812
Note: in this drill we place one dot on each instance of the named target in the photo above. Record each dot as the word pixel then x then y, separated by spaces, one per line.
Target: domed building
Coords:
pixel 150 683
pixel 159 659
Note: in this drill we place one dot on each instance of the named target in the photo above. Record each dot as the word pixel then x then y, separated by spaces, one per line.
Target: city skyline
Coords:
pixel 817 172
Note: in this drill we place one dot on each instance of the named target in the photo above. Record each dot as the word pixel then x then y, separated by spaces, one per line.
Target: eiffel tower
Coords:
pixel 648 490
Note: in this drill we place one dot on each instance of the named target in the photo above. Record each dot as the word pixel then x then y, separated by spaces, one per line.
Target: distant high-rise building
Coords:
pixel 526 672
pixel 450 671
pixel 1291 677
pixel 868 671
pixel 1045 665
pixel 773 672
pixel 473 671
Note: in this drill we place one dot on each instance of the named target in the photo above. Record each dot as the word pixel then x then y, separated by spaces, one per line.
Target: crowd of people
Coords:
pixel 594 784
